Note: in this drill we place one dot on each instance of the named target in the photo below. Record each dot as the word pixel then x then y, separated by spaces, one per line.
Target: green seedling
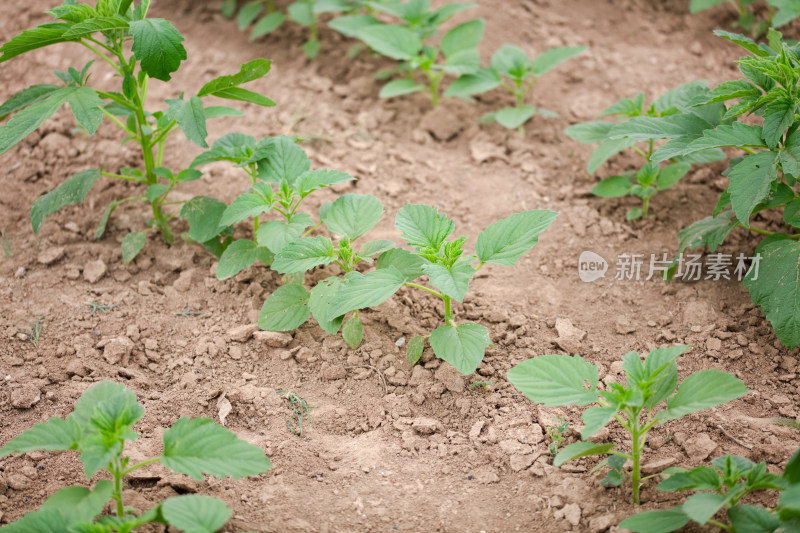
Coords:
pixel 138 50
pixel 186 313
pixel 720 488
pixel 7 242
pixel 512 69
pixel 33 330
pixel 98 428
pixel 94 306
pixel 778 13
pixel 300 411
pixel 763 180
pixel 482 384
pixel 557 433
pixel 674 117
pixel 565 380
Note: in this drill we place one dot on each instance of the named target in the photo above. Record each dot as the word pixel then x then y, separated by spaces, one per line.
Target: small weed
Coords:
pixel 100 307
pixel 300 411
pixel 483 384
pixel 33 330
pixel 556 433
pixel 6 241
pixel 188 312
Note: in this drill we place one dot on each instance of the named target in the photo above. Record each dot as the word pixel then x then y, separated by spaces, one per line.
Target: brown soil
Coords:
pixel 361 465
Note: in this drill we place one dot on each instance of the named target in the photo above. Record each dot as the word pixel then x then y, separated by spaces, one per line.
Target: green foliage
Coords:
pixel 137 49
pixel 512 69
pixel 776 13
pixel 566 380
pixel 679 116
pixel 98 428
pixel 763 179
pixel 556 433
pixel 32 329
pixel 720 488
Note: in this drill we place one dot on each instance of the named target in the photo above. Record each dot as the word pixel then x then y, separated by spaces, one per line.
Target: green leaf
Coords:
pixel 366 290
pixel 285 309
pixel 352 25
pixel 277 234
pixel 195 513
pixel 422 226
pixel 751 181
pixel 555 56
pixel 613 187
pixel 301 12
pixel 38 521
pixel 581 449
pixel 94 25
pixel 481 81
pixel 789 507
pixel 86 106
pixel 453 281
pixel 352 215
pixel 228 8
pixel 728 90
pixel 191 117
pixel 154 192
pixel 507 240
pixel 400 88
pixel 778 116
pixel 590 132
pixel 711 232
pixel 462 346
pixel 661 372
pixel 628 107
pixel 267 25
pixel 79 504
pixel 656 521
pixel 375 247
pixel 313 180
pixel 410 265
pixel 701 5
pixel 698 478
pixel 414 350
pixel 26 97
pixel 752 519
pixel 745 42
pixel 250 71
pixel 157 46
pixel 283 160
pixel 38 37
pixel 595 419
pixel 556 380
pixel 54 435
pixel 203 214
pixel 234 147
pixel 195 446
pixel 311 48
pixel 514 117
pixel 701 507
pixel 248 13
pixel 321 296
pixel 671 174
pixel 605 151
pixel 72 191
pixel 304 254
pixel 243 95
pixel 704 389
pixel 775 287
pixel 249 204
pixel 511 60
pixel 94 397
pixel 649 128
pixel 132 244
pixel 239 255
pixel 218 111
pixel 353 332
pixel 26 121
pixel 396 42
pixel 463 37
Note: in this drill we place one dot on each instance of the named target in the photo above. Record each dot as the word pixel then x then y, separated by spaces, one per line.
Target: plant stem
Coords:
pixel 139 465
pixel 646 202
pixel 118 176
pixel 426 289
pixel 116 471
pixel 448 312
pixel 636 456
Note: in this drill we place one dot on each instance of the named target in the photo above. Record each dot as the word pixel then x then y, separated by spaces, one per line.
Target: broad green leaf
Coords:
pixel 745 42
pixel 396 42
pixel 132 244
pixel 249 204
pixel 701 507
pixel 410 265
pixel 353 332
pixel 590 132
pixel 285 309
pixel 448 10
pixel 728 90
pixel 39 522
pixel 400 88
pixel 198 446
pixel 681 98
pixel 195 513
pixel 321 296
pixel 239 255
pixel 352 25
pixel 775 287
pixel 234 147
pixel 203 214
pixel 311 48
pixel 751 181
pixel 284 161
pixel 54 435
pixel 788 10
pixel 250 71
pixel 595 419
pixel 414 350
pixel 38 37
pixel 711 232
pixel 30 118
pixel 301 12
pixel 698 478
pixel 154 192
pixel 244 95
pixel 103 24
pixel 647 128
pixel 514 117
pixel 422 226
pixel 628 107
pixel 791 472
pixel 671 174
pixel 613 187
pixel 656 521
pixel 463 37
pixel 74 13
pixel 789 508
pixel 375 247
pixel 157 46
pixel 313 180
pixel 790 155
pixel 218 111
pixel 752 519
pixel 191 117
pixel 480 82
pixel 607 150
pixel 277 234
pixel 26 97
pixel 556 380
pixel 95 396
pixel 555 56
pixel 504 242
pixel 453 281
pixel 778 116
pixel 79 504
pixel 304 254
pixel 72 191
pixel 248 13
pixel 700 5
pixel 267 25
pixel 666 379
pixel 463 346
pixel 581 449
pixel 702 390
pixel 366 290
pixel 351 215
pixel 511 60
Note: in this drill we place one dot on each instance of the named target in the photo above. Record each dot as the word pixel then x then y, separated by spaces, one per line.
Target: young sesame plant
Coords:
pixel 674 117
pixel 565 380
pixel 720 487
pixel 138 49
pixel 512 69
pixel 764 180
pixel 98 428
pixel 778 13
